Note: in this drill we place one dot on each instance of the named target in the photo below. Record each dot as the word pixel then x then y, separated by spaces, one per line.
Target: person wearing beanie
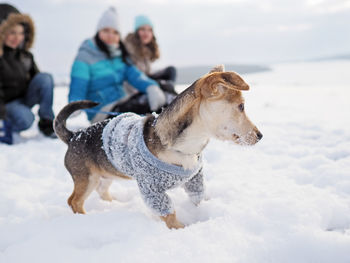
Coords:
pixel 143 49
pixel 142 20
pixel 102 65
pixel 21 84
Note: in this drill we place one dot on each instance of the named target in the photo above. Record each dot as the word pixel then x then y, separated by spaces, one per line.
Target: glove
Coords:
pixel 156 97
pixel 5 132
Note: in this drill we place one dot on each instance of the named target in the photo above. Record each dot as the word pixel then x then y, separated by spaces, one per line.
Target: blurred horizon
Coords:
pixel 198 33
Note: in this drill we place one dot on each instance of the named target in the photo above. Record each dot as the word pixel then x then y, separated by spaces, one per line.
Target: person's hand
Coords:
pixel 156 97
pixel 5 132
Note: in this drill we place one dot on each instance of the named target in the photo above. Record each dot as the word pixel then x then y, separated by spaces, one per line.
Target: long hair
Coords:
pixel 103 47
pixel 152 47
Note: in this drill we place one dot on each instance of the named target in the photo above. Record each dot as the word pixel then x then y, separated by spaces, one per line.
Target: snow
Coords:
pixel 286 199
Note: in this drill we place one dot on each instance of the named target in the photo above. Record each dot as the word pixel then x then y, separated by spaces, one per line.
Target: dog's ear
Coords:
pixel 213 91
pixel 215 85
pixel 218 68
pixel 232 80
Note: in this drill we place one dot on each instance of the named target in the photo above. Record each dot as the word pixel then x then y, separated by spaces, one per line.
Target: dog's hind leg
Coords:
pixel 83 186
pixel 103 189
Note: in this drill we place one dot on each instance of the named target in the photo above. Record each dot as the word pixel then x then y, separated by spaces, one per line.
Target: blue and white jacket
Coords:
pixel 96 77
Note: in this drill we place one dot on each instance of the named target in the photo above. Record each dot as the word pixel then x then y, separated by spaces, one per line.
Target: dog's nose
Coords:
pixel 259 135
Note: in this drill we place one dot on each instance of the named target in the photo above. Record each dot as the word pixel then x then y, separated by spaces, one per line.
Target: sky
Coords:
pixel 198 32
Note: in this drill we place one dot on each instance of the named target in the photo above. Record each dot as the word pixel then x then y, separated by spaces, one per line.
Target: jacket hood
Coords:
pixel 5 10
pixel 89 53
pixel 90 46
pixel 12 20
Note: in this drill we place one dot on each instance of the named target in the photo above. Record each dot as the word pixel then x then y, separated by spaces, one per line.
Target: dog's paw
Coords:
pixel 107 197
pixel 176 225
pixel 172 222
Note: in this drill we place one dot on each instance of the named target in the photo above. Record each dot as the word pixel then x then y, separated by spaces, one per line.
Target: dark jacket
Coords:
pixel 17 67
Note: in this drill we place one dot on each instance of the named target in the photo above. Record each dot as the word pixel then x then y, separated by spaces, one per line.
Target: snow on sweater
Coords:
pixel 125 148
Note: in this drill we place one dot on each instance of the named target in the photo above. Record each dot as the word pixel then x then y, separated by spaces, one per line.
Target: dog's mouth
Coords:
pixel 242 140
pixel 249 139
pixel 235 137
pixel 230 137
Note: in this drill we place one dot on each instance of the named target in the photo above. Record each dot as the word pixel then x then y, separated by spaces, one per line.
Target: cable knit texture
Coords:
pixel 125 148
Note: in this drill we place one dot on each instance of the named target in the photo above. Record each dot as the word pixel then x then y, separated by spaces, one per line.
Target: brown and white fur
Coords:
pixel 212 106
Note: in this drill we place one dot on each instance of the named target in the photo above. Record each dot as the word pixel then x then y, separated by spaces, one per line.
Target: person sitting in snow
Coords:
pixel 21 84
pixel 101 67
pixel 143 49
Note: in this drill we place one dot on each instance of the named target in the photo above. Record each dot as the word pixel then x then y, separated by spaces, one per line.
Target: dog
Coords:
pixel 160 152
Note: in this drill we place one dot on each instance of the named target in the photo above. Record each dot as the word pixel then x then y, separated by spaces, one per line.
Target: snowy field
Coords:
pixel 284 200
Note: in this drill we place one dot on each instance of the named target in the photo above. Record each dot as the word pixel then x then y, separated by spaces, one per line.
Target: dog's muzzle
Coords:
pixel 250 138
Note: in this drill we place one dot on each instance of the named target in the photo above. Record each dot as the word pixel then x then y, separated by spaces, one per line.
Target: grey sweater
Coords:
pixel 125 148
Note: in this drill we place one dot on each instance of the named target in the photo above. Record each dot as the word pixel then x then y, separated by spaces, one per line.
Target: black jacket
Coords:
pixel 17 69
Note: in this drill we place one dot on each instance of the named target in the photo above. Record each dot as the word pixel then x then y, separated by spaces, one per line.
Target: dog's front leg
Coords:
pixel 172 222
pixel 195 188
pixel 159 202
pixel 162 205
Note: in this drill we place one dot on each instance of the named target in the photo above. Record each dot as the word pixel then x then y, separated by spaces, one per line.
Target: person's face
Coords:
pixel 109 36
pixel 146 34
pixel 15 36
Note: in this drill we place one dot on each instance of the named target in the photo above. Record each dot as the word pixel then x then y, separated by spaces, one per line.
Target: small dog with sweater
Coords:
pixel 159 152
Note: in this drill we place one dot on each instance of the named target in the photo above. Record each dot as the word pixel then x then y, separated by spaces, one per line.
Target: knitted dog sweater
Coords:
pixel 124 145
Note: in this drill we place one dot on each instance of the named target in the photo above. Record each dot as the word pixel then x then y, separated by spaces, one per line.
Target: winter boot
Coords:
pixel 5 132
pixel 46 127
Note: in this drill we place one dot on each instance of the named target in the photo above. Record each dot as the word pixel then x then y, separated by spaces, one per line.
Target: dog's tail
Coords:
pixel 60 121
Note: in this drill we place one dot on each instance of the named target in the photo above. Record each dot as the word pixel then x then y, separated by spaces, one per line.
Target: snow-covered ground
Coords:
pixel 286 199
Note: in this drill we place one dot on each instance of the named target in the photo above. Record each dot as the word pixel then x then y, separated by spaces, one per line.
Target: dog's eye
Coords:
pixel 241 107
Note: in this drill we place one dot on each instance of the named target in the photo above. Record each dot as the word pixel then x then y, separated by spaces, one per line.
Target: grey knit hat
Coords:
pixel 109 19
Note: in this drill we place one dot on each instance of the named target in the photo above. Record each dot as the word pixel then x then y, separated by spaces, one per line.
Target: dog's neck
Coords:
pixel 187 147
pixel 178 135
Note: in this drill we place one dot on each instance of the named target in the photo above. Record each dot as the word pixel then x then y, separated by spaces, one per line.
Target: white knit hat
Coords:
pixel 109 19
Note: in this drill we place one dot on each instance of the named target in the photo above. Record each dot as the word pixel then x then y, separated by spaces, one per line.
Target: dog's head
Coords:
pixel 222 107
